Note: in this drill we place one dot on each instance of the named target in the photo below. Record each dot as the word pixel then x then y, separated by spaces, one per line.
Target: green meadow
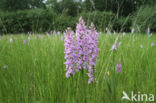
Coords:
pixel 34 71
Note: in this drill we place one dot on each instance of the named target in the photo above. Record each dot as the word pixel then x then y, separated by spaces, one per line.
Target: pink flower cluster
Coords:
pixel 81 51
pixel 70 54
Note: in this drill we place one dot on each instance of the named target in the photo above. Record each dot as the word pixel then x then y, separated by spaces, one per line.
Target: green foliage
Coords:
pixel 13 5
pixel 71 7
pixel 36 70
pixel 88 5
pixel 64 21
pixel 145 17
pixel 116 6
pixel 121 7
pixel 145 2
pixel 41 20
pixel 38 20
pixel 100 19
pixel 44 20
pixel 122 24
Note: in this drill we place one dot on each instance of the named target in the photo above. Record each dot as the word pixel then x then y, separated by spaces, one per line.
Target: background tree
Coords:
pixel 13 5
pixel 71 7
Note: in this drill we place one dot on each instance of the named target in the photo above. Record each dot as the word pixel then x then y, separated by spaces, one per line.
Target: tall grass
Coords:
pixel 144 17
pixel 36 70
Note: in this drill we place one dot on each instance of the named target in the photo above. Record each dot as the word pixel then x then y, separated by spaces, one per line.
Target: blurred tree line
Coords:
pixel 73 7
pixel 14 5
pixel 122 9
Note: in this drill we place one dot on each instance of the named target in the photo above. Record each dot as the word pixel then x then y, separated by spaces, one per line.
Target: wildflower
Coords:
pixel 123 33
pixel 118 67
pixel 11 40
pixel 81 51
pixel 114 47
pixel 70 53
pixel 58 33
pixel 5 67
pixel 148 31
pixel 61 37
pixel 108 31
pixel 24 41
pixel 29 38
pixel 141 46
pixel 81 34
pixel 114 32
pixel 152 44
pixel 132 31
pixel 91 79
pixel 92 52
pixel 51 32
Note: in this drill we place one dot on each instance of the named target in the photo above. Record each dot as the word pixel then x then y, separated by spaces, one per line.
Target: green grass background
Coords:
pixel 36 70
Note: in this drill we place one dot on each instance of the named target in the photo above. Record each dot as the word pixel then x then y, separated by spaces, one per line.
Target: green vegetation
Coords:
pixel 36 70
pixel 145 17
pixel 32 68
pixel 39 16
